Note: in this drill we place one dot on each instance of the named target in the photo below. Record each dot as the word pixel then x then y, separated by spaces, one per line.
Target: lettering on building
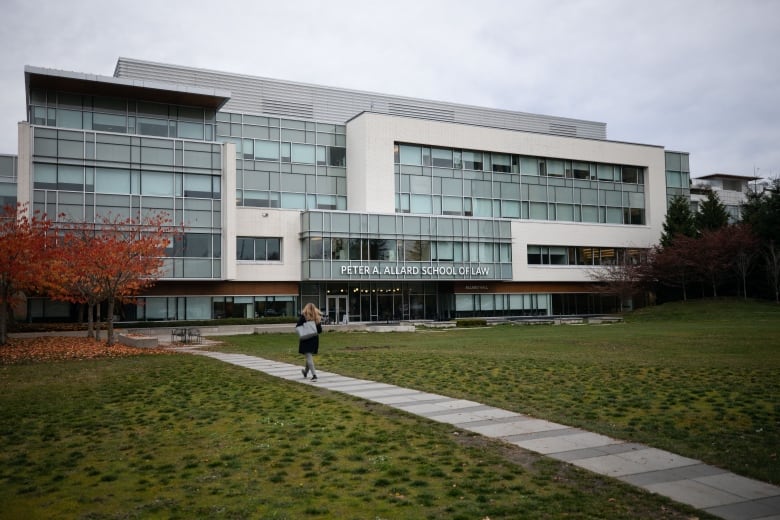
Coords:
pixel 396 271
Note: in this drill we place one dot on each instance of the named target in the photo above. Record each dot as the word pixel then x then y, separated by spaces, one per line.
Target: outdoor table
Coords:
pixel 179 333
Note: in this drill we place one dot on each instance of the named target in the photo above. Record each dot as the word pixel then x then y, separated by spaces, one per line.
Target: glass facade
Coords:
pixel 470 305
pixel 119 115
pixel 444 181
pixel 8 187
pixel 577 255
pixel 286 163
pixel 97 170
pixel 678 175
pixel 404 247
pixel 344 302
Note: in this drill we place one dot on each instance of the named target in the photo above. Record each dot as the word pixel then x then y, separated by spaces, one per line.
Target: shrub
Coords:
pixel 471 322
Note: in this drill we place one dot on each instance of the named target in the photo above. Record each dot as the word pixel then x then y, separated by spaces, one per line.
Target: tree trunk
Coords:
pixel 90 320
pixel 110 322
pixel 97 321
pixel 4 315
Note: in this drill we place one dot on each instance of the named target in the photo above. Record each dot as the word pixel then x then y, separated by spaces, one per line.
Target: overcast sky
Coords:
pixel 701 76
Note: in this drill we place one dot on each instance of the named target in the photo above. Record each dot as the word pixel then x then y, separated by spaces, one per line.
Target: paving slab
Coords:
pixel 741 486
pixel 648 459
pixel 672 475
pixel 397 401
pixel 378 392
pixel 446 411
pixel 360 386
pixel 696 494
pixel 524 424
pixel 764 509
pixel 576 440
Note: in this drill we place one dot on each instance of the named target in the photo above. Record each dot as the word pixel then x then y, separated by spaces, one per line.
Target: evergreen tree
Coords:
pixel 712 214
pixel 679 220
pixel 762 211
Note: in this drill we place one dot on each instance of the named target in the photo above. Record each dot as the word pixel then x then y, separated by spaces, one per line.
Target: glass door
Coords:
pixel 337 309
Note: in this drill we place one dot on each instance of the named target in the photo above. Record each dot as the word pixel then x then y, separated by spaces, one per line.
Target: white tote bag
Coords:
pixel 306 330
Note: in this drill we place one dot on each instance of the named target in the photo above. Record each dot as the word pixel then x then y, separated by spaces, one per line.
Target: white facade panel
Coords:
pixel 273 223
pixel 228 210
pixel 547 233
pixel 371 138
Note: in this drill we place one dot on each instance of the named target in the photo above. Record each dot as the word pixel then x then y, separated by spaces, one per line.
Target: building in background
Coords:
pixel 731 191
pixel 374 207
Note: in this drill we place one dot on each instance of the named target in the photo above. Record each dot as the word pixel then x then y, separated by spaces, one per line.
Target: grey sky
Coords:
pixel 701 76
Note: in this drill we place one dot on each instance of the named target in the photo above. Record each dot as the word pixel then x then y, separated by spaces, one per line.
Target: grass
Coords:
pixel 190 437
pixel 701 379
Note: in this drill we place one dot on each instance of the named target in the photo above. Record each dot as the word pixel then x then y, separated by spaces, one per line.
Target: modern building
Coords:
pixel 374 207
pixel 731 191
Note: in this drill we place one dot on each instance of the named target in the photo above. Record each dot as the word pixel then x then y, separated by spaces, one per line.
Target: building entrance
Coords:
pixel 336 309
pixel 382 301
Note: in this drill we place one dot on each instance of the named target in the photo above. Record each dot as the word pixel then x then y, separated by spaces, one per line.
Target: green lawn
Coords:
pixel 190 437
pixel 701 379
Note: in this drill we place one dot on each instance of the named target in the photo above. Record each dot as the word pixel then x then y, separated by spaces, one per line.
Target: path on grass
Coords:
pixel 684 480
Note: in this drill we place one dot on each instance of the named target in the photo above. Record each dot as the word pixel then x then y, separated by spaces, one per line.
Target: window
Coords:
pixel 580 170
pixel 502 163
pixel 339 249
pixel 555 168
pixel 303 153
pixel 337 157
pixel 630 174
pixel 383 250
pixel 576 255
pixel 195 245
pixel 245 248
pixel 155 183
pixel 441 157
pixel 112 181
pixel 258 249
pixel 109 123
pixel 417 250
pixel 410 155
pixel 267 150
pixel 197 186
pixel 443 251
pixel 472 160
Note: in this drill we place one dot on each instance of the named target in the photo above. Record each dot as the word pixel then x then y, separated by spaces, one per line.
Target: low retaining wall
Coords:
pixel 358 327
pixel 138 340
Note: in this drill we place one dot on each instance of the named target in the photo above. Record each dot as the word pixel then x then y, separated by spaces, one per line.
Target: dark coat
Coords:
pixel 310 345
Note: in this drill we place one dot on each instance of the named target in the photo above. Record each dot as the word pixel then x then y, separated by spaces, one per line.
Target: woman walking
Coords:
pixel 311 345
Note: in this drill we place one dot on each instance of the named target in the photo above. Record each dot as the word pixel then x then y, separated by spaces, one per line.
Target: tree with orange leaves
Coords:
pixel 23 257
pixel 109 261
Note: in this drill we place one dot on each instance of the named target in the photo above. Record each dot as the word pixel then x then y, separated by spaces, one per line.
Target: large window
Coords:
pixel 287 163
pixel 118 115
pixel 582 255
pixel 444 181
pixel 258 248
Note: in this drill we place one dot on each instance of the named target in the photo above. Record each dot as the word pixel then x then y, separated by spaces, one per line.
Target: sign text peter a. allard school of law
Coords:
pixel 401 271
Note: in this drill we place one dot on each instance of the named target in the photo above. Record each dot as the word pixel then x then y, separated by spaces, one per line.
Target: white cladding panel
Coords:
pixel 525 232
pixel 370 173
pixel 273 223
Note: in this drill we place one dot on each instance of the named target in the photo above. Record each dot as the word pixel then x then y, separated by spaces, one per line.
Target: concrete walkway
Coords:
pixel 684 480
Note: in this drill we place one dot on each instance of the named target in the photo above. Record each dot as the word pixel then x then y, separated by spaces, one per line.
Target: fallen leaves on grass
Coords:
pixel 60 348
